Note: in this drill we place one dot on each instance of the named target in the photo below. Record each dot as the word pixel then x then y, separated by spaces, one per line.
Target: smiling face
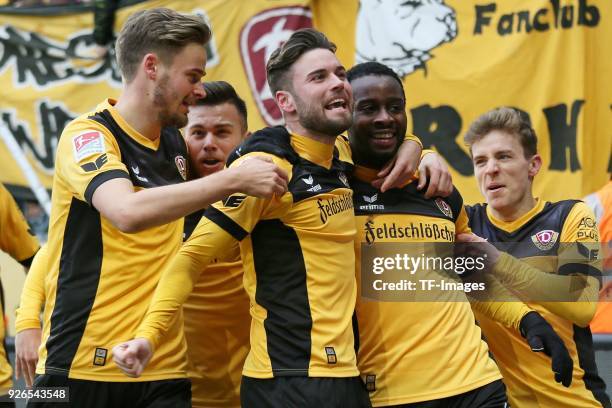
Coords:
pixel 179 85
pixel 212 132
pixel 320 94
pixel 379 120
pixel 504 174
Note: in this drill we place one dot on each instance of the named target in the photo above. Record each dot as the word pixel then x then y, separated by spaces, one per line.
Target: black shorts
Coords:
pixel 303 392
pixel 94 394
pixel 492 395
pixel 6 404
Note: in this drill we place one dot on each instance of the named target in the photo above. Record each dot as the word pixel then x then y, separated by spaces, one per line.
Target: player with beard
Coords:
pixel 216 350
pixel 297 249
pixel 427 354
pixel 552 262
pixel 116 219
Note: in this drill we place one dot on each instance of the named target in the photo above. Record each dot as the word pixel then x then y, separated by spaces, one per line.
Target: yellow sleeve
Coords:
pixel 579 251
pixel 578 292
pixel 426 151
pixel 238 214
pixel 222 225
pixel 87 156
pixel 33 294
pixel 411 137
pixel 207 241
pixel 15 236
pixel 462 225
pixel 509 312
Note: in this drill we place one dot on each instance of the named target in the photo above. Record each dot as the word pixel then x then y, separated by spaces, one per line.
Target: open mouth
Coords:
pixel 383 139
pixel 210 162
pixel 383 134
pixel 338 103
pixel 494 187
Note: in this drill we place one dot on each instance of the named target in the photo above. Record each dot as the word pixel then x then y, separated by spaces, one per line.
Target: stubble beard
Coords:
pixel 162 98
pixel 312 119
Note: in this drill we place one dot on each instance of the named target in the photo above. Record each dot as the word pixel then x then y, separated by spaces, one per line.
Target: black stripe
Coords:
pixel 77 284
pixel 102 178
pixel 356 339
pixel 406 200
pixel 2 305
pixel 586 359
pixel 281 290
pixel 191 221
pixel 149 167
pixel 579 268
pixel 225 222
pixel 27 262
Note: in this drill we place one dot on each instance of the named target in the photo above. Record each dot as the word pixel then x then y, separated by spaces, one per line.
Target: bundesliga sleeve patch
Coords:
pixel 86 144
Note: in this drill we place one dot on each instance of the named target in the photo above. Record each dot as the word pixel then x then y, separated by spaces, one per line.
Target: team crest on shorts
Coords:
pixel 444 207
pixel 86 144
pixel 261 35
pixel 545 239
pixel 181 165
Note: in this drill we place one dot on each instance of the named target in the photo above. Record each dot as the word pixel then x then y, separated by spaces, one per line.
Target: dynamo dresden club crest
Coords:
pixel 545 239
pixel 259 37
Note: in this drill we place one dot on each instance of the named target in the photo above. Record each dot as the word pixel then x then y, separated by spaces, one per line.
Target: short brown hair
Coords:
pixel 162 31
pixel 219 92
pixel 508 120
pixel 285 56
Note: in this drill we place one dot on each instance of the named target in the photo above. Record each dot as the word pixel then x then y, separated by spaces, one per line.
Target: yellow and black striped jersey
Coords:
pixel 537 237
pixel 412 351
pixel 298 257
pixel 17 240
pixel 100 280
pixel 217 323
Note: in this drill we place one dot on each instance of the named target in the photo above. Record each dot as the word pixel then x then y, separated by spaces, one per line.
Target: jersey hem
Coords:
pixel 435 396
pixel 98 377
pixel 311 373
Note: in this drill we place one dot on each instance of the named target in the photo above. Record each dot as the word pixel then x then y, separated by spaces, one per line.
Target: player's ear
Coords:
pixel 285 101
pixel 150 64
pixel 535 164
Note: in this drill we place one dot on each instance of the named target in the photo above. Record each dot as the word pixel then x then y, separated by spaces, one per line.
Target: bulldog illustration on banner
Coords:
pixel 401 34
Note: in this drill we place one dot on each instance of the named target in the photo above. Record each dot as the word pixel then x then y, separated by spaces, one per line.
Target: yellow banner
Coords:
pixel 461 58
pixel 458 59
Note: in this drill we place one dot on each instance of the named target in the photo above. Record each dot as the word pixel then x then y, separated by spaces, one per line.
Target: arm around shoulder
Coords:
pixel 132 211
